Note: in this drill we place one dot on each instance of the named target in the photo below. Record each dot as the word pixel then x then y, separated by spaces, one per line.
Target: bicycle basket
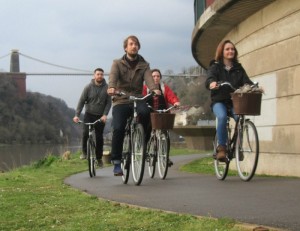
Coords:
pixel 246 103
pixel 162 120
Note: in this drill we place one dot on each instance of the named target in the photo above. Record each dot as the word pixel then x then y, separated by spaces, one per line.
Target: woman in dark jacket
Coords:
pixel 225 67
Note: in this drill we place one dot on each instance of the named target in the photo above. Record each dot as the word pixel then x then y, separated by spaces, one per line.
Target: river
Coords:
pixel 13 156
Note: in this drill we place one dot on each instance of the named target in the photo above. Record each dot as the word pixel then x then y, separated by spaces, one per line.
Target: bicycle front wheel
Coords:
pixel 221 168
pixel 138 154
pixel 247 151
pixel 163 155
pixel 125 161
pixel 151 157
pixel 91 153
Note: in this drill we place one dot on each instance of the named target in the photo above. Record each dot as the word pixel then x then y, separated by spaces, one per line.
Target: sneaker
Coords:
pixel 83 156
pixel 170 163
pixel 117 170
pixel 100 163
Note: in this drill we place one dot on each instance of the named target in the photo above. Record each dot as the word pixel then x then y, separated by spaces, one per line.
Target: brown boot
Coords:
pixel 221 153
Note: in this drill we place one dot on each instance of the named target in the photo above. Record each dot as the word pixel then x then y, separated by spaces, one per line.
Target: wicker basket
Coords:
pixel 162 120
pixel 246 103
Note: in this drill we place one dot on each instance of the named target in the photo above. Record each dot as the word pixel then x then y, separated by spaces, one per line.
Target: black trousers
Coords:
pixel 120 115
pixel 99 127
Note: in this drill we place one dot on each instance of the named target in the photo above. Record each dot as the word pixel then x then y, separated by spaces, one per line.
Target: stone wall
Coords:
pixel 269 48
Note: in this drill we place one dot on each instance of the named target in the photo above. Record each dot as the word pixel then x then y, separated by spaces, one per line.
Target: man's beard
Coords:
pixel 132 56
pixel 98 81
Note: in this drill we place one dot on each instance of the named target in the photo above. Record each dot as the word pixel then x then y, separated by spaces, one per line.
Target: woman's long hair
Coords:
pixel 220 49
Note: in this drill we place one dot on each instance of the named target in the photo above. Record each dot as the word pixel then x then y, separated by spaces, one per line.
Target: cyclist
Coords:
pixel 97 105
pixel 159 102
pixel 128 74
pixel 225 67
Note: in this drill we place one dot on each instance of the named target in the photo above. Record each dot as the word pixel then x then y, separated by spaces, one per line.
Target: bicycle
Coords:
pixel 134 148
pixel 242 144
pixel 158 146
pixel 91 147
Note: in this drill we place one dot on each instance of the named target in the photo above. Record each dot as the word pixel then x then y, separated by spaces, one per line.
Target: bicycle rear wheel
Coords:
pixel 91 157
pixel 151 157
pixel 221 168
pixel 163 155
pixel 247 151
pixel 138 154
pixel 125 161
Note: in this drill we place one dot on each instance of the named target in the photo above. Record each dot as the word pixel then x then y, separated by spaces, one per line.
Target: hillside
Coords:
pixel 42 119
pixel 36 119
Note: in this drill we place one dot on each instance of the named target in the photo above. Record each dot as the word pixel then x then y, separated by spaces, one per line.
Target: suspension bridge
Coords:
pixel 196 137
pixel 15 67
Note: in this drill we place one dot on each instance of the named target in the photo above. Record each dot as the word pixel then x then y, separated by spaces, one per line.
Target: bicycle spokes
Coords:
pixel 247 151
pixel 138 154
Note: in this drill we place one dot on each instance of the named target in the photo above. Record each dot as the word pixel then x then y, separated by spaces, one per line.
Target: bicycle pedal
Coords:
pixel 214 156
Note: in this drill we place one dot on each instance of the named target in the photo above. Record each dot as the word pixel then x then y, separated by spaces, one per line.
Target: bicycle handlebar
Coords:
pixel 133 98
pixel 93 123
pixel 222 83
pixel 162 110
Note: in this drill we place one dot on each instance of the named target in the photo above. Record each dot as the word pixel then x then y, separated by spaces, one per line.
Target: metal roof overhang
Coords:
pixel 216 21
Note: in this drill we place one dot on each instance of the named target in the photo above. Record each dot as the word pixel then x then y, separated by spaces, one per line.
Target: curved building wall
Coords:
pixel 269 48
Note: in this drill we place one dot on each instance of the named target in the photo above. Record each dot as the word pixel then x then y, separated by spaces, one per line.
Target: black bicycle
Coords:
pixel 242 144
pixel 134 148
pixel 91 147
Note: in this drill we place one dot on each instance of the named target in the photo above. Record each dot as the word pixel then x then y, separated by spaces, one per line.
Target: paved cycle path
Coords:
pixel 267 201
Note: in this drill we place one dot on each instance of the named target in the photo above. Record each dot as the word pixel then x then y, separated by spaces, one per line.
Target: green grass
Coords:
pixel 204 166
pixel 185 151
pixel 35 198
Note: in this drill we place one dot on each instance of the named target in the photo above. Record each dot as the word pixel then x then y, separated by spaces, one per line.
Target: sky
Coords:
pixel 86 34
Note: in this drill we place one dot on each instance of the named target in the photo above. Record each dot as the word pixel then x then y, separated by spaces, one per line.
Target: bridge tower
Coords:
pixel 14 61
pixel 18 77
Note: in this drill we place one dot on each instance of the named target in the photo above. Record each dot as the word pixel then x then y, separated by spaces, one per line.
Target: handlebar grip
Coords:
pixel 119 93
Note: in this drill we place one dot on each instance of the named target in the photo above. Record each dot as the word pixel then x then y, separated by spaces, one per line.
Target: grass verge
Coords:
pixel 35 198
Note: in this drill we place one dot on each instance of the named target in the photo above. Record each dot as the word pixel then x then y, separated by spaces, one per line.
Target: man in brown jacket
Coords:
pixel 128 75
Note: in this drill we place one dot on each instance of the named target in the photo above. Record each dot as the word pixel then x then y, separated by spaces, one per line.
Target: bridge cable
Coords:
pixel 39 60
pixel 4 56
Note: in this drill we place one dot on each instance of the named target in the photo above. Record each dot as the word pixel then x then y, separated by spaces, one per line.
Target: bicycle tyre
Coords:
pixel 138 154
pixel 90 157
pixel 151 157
pixel 247 151
pixel 125 162
pixel 221 168
pixel 163 155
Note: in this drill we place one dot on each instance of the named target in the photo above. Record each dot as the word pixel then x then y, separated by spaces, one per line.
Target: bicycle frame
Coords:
pixel 91 147
pixel 158 149
pixel 243 145
pixel 232 140
pixel 134 155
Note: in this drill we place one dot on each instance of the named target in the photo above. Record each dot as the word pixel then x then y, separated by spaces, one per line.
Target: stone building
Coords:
pixel 267 36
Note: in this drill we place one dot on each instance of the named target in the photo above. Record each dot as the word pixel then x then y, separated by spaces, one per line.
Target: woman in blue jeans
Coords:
pixel 225 67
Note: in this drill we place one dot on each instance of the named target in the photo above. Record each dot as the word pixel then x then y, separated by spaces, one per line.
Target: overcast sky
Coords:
pixel 86 34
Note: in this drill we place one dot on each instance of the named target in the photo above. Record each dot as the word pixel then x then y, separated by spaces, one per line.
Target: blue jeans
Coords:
pixel 120 114
pixel 220 111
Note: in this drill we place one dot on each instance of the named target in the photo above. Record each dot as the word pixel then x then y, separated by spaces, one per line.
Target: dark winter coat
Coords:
pixel 237 76
pixel 122 77
pixel 95 99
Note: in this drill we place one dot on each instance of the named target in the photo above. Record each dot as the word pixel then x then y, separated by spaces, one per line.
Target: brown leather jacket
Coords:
pixel 123 78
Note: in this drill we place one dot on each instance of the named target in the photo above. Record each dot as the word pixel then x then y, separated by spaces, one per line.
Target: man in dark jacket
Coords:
pixel 97 105
pixel 128 75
